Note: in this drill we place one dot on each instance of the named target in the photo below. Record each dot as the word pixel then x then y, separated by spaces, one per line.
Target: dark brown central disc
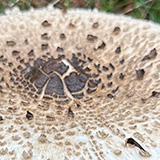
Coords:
pixel 59 78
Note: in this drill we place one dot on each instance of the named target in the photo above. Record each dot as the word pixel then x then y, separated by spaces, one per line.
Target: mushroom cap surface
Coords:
pixel 80 85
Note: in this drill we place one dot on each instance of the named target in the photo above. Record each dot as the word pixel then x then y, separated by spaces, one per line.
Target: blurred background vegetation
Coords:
pixel 145 9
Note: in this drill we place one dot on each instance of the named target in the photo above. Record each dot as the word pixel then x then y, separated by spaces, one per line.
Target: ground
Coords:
pixel 144 9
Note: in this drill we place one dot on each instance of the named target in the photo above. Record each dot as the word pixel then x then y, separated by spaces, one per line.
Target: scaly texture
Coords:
pixel 82 85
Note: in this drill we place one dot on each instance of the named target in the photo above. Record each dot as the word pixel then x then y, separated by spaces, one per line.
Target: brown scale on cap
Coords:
pixel 74 86
pixel 45 36
pixel 116 30
pixel 91 37
pixel 118 50
pixel 133 142
pixel 140 73
pixel 152 54
pixel 29 115
pixel 45 23
pixel 11 43
pixel 95 25
pixel 62 36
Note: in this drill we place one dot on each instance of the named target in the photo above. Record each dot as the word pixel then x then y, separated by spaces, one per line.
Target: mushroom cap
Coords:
pixel 79 85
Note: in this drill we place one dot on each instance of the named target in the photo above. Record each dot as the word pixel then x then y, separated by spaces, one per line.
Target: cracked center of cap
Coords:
pixel 59 78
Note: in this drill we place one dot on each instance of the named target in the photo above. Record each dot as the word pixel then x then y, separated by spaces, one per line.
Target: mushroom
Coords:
pixel 52 69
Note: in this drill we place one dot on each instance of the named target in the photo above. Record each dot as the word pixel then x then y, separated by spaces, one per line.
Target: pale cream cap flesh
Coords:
pixel 81 85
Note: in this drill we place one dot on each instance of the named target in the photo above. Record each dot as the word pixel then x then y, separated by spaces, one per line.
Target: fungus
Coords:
pixel 63 94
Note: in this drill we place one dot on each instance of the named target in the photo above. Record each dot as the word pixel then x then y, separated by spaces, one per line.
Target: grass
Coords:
pixel 144 9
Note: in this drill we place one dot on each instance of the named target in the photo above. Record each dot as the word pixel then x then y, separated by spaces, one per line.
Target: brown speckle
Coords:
pixel 121 61
pixel 18 58
pixel 84 56
pixel 71 25
pixel 133 142
pixel 92 84
pixel 116 30
pixel 87 69
pixel 97 66
pixel 59 49
pixel 115 90
pixel 117 152
pixel 2 79
pixel 140 73
pixel 78 95
pixel 110 96
pixel 26 134
pixel 27 155
pixel 42 138
pixel 109 84
pixel 45 36
pixel 143 100
pixel 29 115
pixel 89 91
pixel 98 80
pixel 1 118
pixel 95 75
pixel 70 112
pixel 1 69
pixel 21 61
pixel 2 59
pixel 15 53
pixel 91 37
pixel 121 76
pixel 61 56
pixel 95 25
pixel 155 94
pixel 89 59
pixel 99 71
pixel 16 138
pixel 102 46
pixel 78 105
pixel 103 86
pixel 46 23
pixel 109 76
pixel 151 55
pixel 118 50
pixel 44 46
pixel 26 41
pixel 19 67
pixel 11 43
pixel 10 64
pixel 79 54
pixel 31 53
pixel 50 118
pixel 104 68
pixel 111 66
pixel 62 36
